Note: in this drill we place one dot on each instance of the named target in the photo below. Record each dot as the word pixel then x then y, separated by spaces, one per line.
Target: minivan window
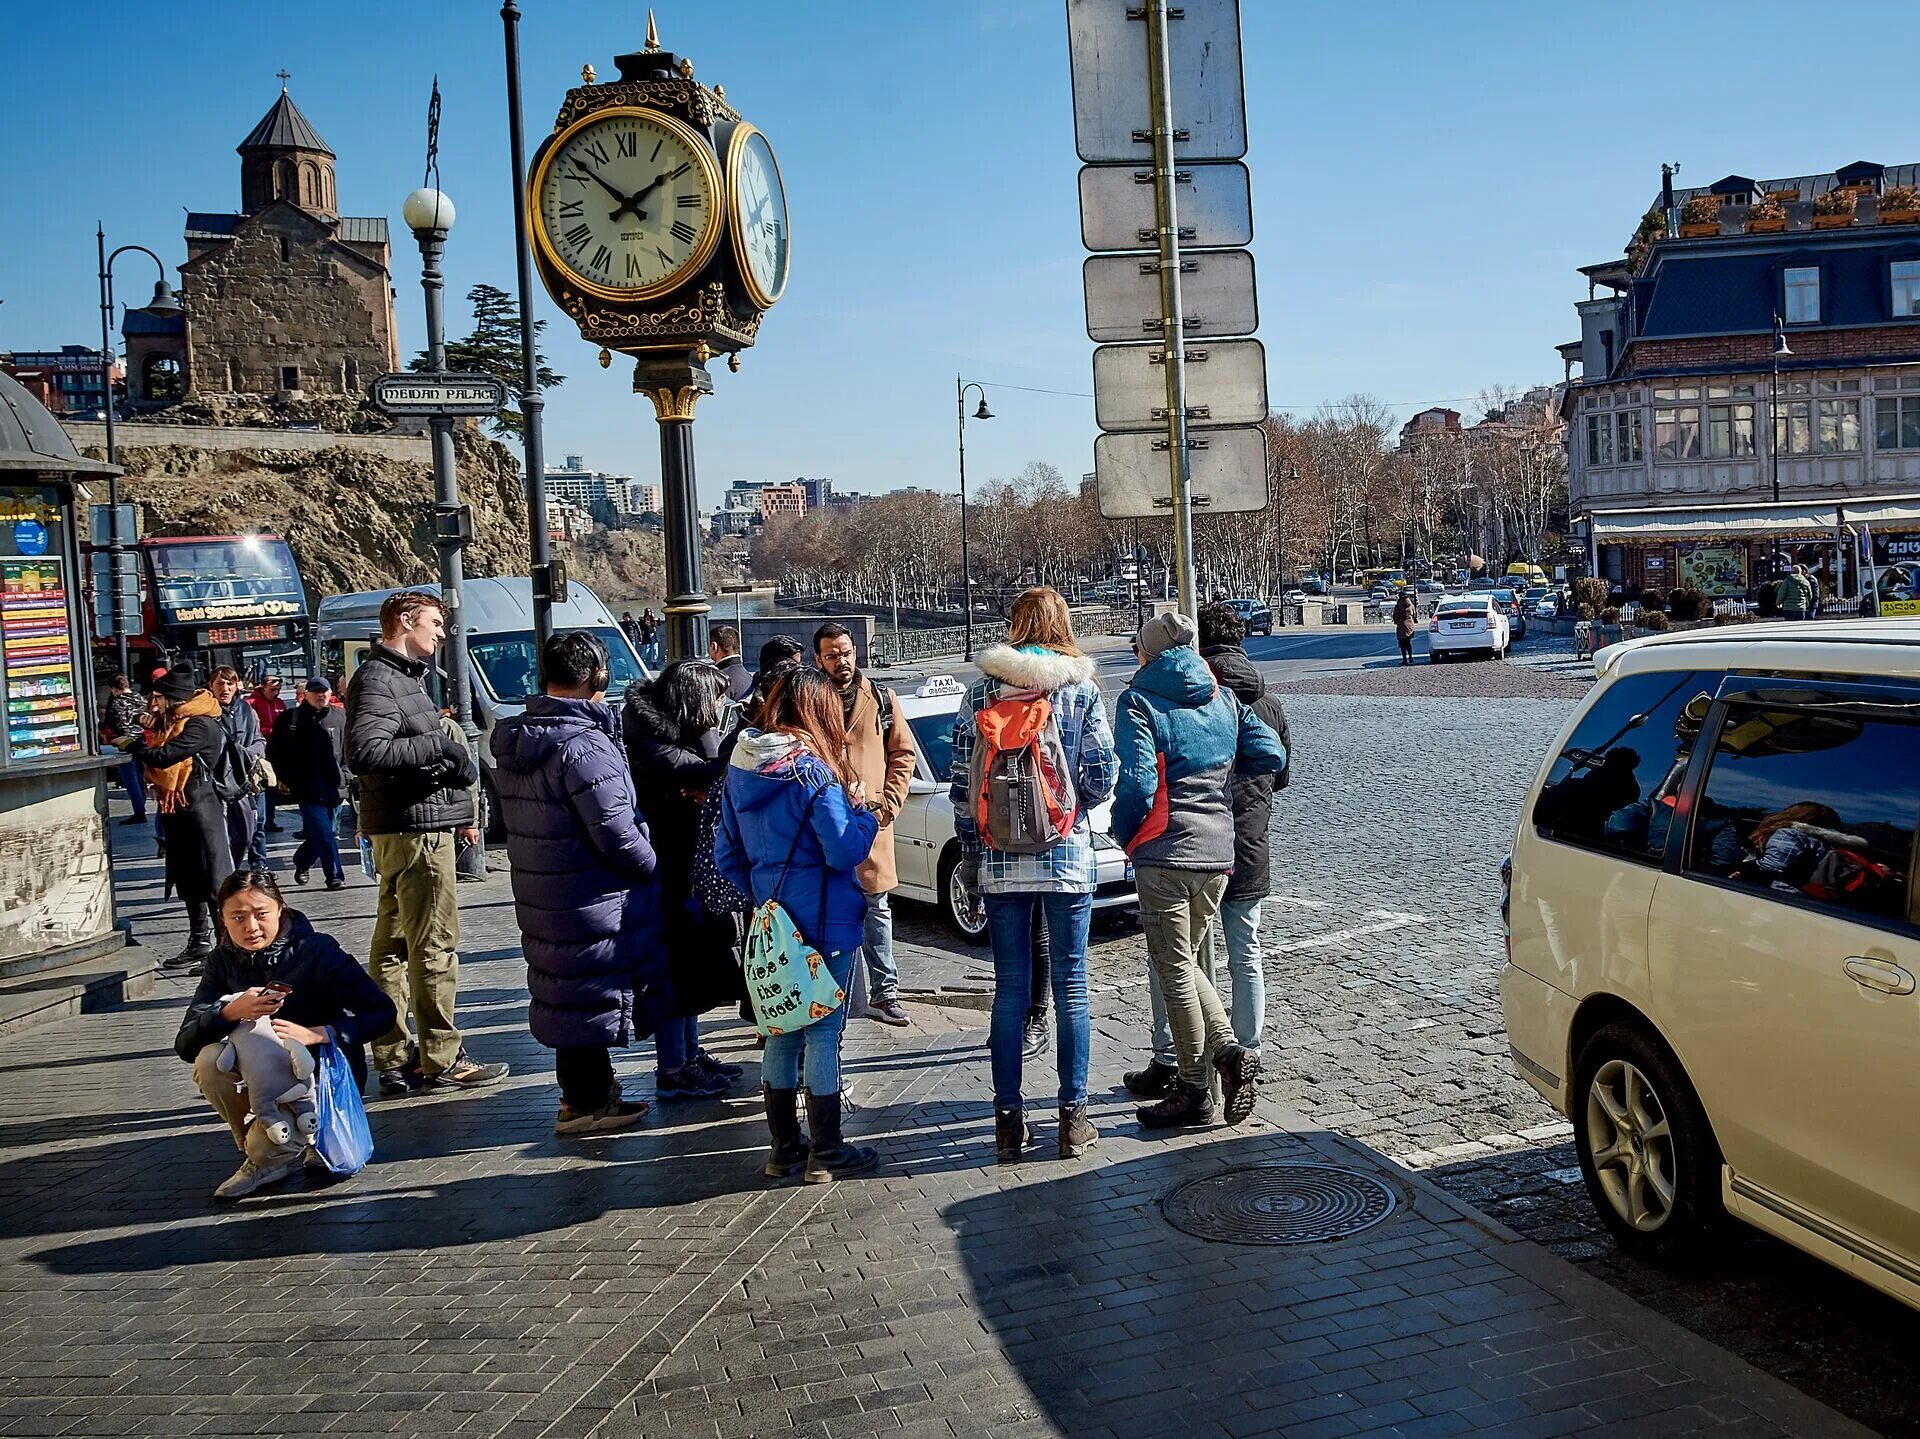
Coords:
pixel 1616 784
pixel 1812 805
pixel 507 663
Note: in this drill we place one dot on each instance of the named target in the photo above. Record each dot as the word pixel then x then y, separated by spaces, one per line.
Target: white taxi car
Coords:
pixel 926 850
pixel 1467 624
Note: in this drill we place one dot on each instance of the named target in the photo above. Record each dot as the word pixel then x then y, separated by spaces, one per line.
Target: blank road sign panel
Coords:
pixel 1228 474
pixel 1226 384
pixel 1108 53
pixel 1216 293
pixel 1213 202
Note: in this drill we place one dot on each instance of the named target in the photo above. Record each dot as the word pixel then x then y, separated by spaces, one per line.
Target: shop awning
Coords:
pixel 1708 522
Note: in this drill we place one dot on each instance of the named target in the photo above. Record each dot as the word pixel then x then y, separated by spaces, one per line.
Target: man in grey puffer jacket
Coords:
pixel 415 797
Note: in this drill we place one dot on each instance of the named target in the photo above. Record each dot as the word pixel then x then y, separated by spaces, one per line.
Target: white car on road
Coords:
pixel 925 848
pixel 1467 624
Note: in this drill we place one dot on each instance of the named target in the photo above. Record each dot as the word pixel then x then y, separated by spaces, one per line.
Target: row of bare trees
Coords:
pixel 1342 496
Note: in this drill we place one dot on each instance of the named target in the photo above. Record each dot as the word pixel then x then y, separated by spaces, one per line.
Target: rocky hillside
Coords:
pixel 355 521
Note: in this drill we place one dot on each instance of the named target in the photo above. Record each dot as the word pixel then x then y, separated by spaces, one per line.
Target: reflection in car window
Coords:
pixel 1615 786
pixel 935 734
pixel 507 662
pixel 1815 803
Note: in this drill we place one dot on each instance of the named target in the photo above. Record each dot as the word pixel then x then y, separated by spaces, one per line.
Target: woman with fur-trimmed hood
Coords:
pixel 1040 658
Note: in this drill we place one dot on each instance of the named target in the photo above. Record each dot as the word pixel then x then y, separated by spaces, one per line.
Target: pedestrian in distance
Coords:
pixel 120 718
pixel 1033 755
pixel 672 729
pixel 272 963
pixel 1238 923
pixel 1181 738
pixel 178 756
pixel 880 752
pixel 649 638
pixel 795 827
pixel 630 627
pixel 267 707
pixel 243 734
pixel 1406 619
pixel 305 750
pixel 415 796
pixel 584 887
pixel 723 647
pixel 1797 594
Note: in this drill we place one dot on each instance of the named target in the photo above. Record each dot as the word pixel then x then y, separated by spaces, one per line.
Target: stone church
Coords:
pixel 285 297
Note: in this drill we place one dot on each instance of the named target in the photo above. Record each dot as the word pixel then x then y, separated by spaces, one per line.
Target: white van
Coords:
pixel 499 625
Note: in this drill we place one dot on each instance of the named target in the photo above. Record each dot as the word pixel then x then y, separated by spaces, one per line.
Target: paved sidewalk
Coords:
pixel 485 1278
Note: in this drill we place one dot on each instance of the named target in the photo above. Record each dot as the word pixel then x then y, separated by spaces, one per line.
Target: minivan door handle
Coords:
pixel 1879 974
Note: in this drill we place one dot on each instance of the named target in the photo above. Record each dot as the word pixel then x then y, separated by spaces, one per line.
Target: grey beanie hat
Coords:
pixel 1165 632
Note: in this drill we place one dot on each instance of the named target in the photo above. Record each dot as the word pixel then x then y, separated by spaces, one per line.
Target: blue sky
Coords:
pixel 1425 179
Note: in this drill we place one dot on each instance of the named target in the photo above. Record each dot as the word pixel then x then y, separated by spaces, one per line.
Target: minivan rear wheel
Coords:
pixel 1646 1151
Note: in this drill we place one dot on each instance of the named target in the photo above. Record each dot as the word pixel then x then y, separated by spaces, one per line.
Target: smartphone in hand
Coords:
pixel 276 991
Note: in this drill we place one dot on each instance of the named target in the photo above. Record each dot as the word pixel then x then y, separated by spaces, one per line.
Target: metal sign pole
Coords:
pixel 1173 328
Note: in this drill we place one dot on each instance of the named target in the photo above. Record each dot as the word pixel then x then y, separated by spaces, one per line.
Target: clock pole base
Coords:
pixel 674 382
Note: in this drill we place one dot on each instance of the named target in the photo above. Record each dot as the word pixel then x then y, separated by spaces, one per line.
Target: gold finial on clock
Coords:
pixel 606 357
pixel 719 92
pixel 653 34
pixel 586 75
pixel 733 362
pixel 686 68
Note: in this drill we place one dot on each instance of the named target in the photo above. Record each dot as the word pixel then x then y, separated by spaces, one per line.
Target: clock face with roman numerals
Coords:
pixel 759 224
pixel 627 202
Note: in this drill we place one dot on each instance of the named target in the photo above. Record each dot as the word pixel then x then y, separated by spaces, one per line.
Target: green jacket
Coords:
pixel 1796 593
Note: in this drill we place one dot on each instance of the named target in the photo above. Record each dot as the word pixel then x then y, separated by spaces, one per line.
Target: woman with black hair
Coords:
pixel 673 729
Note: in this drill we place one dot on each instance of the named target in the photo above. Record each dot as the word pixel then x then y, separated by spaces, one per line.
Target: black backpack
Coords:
pixel 228 772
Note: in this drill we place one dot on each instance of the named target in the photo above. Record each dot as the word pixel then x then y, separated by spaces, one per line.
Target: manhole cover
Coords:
pixel 1279 1204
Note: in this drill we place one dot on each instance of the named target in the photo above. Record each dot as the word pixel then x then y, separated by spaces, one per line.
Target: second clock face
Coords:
pixel 627 201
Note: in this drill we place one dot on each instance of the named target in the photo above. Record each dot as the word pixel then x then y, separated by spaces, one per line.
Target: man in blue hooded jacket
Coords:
pixel 1180 739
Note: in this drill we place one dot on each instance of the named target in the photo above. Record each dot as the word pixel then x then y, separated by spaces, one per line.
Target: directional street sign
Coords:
pixel 116 603
pixel 1226 385
pixel 440 397
pixel 1111 110
pixel 1123 295
pixel 1116 206
pixel 104 519
pixel 1229 473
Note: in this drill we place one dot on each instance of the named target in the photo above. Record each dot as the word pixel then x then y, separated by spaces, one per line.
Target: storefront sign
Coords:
pixel 1716 570
pixel 1896 561
pixel 36 637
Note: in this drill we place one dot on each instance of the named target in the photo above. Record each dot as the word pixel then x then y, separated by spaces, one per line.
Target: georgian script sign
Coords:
pixel 440 396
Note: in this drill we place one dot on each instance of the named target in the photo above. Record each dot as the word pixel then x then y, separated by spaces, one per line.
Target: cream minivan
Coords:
pixel 1713 938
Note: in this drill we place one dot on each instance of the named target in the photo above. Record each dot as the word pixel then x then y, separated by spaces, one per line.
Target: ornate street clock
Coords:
pixel 659 225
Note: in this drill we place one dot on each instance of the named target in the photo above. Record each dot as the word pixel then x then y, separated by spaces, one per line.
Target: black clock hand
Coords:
pixel 637 197
pixel 626 204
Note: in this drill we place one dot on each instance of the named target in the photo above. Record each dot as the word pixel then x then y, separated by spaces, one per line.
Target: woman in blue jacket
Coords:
pixel 794 827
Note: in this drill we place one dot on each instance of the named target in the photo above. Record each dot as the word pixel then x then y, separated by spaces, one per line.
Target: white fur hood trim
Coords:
pixel 1046 671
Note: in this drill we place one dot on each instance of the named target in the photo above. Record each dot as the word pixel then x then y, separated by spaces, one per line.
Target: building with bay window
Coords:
pixel 1749 394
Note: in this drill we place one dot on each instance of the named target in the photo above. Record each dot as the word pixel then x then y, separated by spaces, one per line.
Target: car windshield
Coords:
pixel 505 663
pixel 251 572
pixel 935 734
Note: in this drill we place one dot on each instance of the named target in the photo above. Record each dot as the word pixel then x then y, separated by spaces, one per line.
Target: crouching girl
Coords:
pixel 272 964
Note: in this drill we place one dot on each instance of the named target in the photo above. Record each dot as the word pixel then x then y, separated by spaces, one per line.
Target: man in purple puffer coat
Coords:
pixel 583 879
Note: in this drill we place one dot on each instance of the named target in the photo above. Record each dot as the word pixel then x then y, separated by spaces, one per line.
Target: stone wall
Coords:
pixel 90 435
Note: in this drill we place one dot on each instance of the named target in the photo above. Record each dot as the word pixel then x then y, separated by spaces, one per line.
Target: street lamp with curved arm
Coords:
pixel 966 565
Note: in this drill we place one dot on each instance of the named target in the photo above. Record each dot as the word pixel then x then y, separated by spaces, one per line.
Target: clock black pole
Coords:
pixel 675 383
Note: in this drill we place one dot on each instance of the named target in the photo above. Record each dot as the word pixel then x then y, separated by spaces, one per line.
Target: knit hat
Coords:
pixel 1165 632
pixel 176 685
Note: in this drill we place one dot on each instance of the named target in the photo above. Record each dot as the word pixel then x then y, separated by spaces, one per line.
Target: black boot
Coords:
pixel 1010 1135
pixel 789 1153
pixel 831 1157
pixel 1185 1104
pixel 1152 1082
pixel 199 939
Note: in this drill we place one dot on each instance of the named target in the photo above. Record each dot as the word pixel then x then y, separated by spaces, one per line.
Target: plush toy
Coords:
pixel 278 1074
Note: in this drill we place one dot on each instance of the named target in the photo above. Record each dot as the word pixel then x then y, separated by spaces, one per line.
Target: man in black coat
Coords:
pixel 723 648
pixel 305 750
pixel 415 797
pixel 1221 634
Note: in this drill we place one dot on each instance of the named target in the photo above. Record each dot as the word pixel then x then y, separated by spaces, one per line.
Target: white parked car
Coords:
pixel 1467 624
pixel 1547 609
pixel 925 848
pixel 1295 597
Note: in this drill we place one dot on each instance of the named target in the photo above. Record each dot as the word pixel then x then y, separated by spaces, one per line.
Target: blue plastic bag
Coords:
pixel 343 1141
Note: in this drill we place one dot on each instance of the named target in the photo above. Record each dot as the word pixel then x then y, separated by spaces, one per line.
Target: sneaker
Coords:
pixel 466 1072
pixel 250 1176
pixel 1184 1105
pixel 615 1114
pixel 299 875
pixel 1010 1135
pixel 718 1067
pixel 1239 1070
pixel 1152 1082
pixel 689 1081
pixel 1077 1134
pixel 337 882
pixel 398 1083
pixel 1035 1038
pixel 190 960
pixel 888 1011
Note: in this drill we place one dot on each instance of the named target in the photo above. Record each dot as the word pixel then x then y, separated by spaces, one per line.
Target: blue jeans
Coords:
pixel 1240 923
pixel 134 782
pixel 818 1044
pixel 318 842
pixel 1010 925
pixel 882 972
pixel 676 1039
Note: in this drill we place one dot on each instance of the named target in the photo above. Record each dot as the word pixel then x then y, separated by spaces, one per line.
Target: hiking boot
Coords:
pixel 1185 1104
pixel 788 1155
pixel 1152 1082
pixel 250 1176
pixel 465 1072
pixel 888 1011
pixel 1077 1134
pixel 1035 1038
pixel 1239 1070
pixel 615 1114
pixel 831 1157
pixel 729 1072
pixel 1010 1135
pixel 689 1081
